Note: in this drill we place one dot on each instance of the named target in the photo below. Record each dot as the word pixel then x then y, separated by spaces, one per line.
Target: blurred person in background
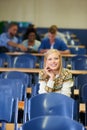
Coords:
pixel 31 26
pixel 31 43
pixel 58 34
pixel 9 39
pixel 53 42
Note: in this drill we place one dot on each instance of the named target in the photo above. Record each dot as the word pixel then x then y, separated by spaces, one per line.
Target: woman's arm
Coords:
pixel 42 87
pixel 45 87
pixel 66 89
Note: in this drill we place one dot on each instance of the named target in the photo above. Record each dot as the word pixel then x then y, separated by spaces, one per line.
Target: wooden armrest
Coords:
pixel 82 107
pixel 21 105
pixel 10 126
pixel 76 92
pixel 29 90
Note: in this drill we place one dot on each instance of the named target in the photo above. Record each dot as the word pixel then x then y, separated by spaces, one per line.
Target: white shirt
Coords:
pixel 66 87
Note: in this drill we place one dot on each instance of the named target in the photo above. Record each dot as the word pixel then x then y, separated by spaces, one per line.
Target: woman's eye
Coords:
pixel 49 59
pixel 56 58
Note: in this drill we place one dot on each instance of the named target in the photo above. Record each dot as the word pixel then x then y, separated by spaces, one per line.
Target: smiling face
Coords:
pixel 53 61
pixel 31 36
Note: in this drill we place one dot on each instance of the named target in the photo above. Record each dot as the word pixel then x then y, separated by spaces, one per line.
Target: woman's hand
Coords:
pixel 49 72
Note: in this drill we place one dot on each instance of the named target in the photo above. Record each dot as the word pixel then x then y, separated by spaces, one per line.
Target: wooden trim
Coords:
pixel 76 92
pixel 82 107
pixel 38 54
pixel 36 70
pixel 10 126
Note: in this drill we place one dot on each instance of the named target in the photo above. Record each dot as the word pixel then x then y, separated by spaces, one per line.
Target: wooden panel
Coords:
pixel 40 54
pixel 82 107
pixel 35 70
pixel 10 126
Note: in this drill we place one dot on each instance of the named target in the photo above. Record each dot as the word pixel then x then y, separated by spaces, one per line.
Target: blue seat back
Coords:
pixel 8 110
pixel 84 93
pixel 79 62
pixel 80 80
pixel 77 50
pixel 6 106
pixel 35 89
pixel 25 78
pixel 41 62
pixel 6 59
pixel 24 61
pixel 12 86
pixel 52 104
pixel 1 62
pixel 52 123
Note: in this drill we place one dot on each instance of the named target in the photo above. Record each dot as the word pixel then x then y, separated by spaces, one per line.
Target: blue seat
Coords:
pixel 80 80
pixel 52 123
pixel 52 104
pixel 35 89
pixel 79 62
pixel 12 86
pixel 26 79
pixel 77 50
pixel 1 62
pixel 41 62
pixel 24 61
pixel 8 106
pixel 84 93
pixel 6 59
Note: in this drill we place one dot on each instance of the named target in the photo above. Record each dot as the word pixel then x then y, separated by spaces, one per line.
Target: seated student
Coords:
pixel 58 34
pixel 52 42
pixel 31 43
pixel 54 78
pixel 9 39
pixel 25 36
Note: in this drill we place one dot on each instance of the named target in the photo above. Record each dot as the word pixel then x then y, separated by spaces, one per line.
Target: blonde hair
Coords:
pixel 51 51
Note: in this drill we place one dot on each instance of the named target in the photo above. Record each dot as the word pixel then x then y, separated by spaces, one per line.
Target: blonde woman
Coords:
pixel 54 78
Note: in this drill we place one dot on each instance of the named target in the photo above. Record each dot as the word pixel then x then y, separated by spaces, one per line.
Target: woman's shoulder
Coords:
pixel 67 74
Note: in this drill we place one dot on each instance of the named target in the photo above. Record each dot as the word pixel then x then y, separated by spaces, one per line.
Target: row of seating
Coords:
pixel 52 123
pixel 27 80
pixel 25 84
pixel 48 111
pixel 39 105
pixel 52 108
pixel 78 62
pixel 22 61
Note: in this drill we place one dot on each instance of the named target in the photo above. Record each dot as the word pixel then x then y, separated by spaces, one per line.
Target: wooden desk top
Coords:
pixel 26 70
pixel 76 72
pixel 76 46
pixel 37 54
pixel 21 70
